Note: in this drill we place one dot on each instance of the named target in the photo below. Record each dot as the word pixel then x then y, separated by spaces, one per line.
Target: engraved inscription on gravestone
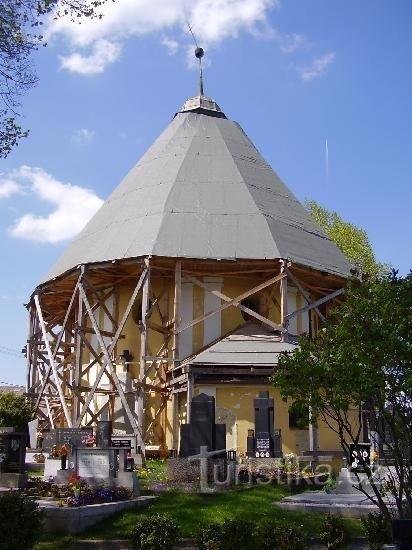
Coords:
pixel 60 436
pixel 267 442
pixel 263 445
pixel 93 463
pixel 359 456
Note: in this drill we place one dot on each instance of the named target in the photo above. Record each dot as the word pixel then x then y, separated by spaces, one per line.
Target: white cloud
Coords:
pixel 317 68
pixel 289 43
pixel 171 45
pixel 83 136
pixel 102 54
pixel 212 21
pixel 74 206
pixel 8 188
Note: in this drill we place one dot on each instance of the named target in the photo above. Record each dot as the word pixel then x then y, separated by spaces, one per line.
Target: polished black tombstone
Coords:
pixel 13 452
pixel 359 456
pixel 266 443
pixel 71 437
pixel 202 431
pixel 103 433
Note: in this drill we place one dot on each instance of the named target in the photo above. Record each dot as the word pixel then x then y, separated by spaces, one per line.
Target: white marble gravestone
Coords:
pixel 33 426
pixel 93 463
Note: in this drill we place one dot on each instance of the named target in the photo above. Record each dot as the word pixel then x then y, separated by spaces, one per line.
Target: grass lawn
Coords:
pixel 193 510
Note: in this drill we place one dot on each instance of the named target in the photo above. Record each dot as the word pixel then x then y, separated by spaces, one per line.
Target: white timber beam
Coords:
pixel 317 303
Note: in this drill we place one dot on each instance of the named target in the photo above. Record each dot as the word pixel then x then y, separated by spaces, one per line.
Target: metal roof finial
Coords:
pixel 199 53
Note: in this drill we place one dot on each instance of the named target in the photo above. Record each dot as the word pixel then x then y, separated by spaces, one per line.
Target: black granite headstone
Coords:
pixel 250 445
pixel 103 433
pixel 359 455
pixel 277 443
pixel 185 446
pixel 263 444
pixel 220 441
pixel 202 431
pixel 202 420
pixel 264 413
pixel 73 437
pixel 13 452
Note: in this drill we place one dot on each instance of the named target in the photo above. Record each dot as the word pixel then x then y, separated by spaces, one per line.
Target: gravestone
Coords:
pixel 263 445
pixel 359 455
pixel 121 443
pixel 202 431
pixel 71 437
pixel 12 459
pixel 33 427
pixel 104 466
pixel 94 463
pixel 103 433
pixel 267 441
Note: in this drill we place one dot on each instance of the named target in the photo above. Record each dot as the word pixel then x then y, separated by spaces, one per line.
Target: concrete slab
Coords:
pixel 318 501
pixel 75 520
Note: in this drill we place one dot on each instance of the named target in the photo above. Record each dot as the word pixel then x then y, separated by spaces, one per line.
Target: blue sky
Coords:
pixel 293 73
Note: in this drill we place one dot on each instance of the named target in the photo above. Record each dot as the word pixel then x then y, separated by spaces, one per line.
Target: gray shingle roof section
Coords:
pixel 251 345
pixel 202 190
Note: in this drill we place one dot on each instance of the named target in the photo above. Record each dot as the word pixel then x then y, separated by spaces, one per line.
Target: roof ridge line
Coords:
pixel 162 212
pixel 232 157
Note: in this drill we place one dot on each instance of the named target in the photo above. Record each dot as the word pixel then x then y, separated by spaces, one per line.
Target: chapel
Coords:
pixel 198 270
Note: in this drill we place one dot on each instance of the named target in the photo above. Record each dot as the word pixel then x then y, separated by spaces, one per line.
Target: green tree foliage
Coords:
pixel 351 240
pixel 20 521
pixel 362 361
pixel 14 411
pixel 20 36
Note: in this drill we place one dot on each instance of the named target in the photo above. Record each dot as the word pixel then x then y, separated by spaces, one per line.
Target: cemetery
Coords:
pixel 90 475
pixel 155 354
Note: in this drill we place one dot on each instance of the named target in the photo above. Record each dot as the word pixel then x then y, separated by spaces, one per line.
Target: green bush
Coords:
pixel 210 537
pixel 333 532
pixel 159 532
pixel 377 530
pixel 232 534
pixel 14 411
pixel 275 535
pixel 20 522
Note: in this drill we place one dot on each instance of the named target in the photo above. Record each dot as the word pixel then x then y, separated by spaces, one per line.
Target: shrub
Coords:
pixel 210 537
pixel 20 521
pixel 232 534
pixel 333 533
pixel 159 532
pixel 377 530
pixel 14 411
pixel 273 535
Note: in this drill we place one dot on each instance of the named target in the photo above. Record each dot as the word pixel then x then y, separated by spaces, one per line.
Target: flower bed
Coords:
pixel 77 492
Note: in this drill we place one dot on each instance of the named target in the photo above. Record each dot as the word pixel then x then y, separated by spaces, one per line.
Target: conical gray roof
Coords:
pixel 202 190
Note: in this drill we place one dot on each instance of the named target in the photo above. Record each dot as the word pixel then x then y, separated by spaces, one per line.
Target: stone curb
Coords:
pixel 357 543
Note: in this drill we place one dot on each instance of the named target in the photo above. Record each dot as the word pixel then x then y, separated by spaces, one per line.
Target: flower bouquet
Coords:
pixel 63 455
pixel 89 440
pixel 74 484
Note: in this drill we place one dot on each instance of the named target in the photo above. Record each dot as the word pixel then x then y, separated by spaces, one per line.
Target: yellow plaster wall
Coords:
pixel 239 400
pixel 327 438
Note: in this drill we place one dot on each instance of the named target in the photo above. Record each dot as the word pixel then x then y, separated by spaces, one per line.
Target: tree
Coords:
pixel 351 240
pixel 362 361
pixel 14 411
pixel 20 36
